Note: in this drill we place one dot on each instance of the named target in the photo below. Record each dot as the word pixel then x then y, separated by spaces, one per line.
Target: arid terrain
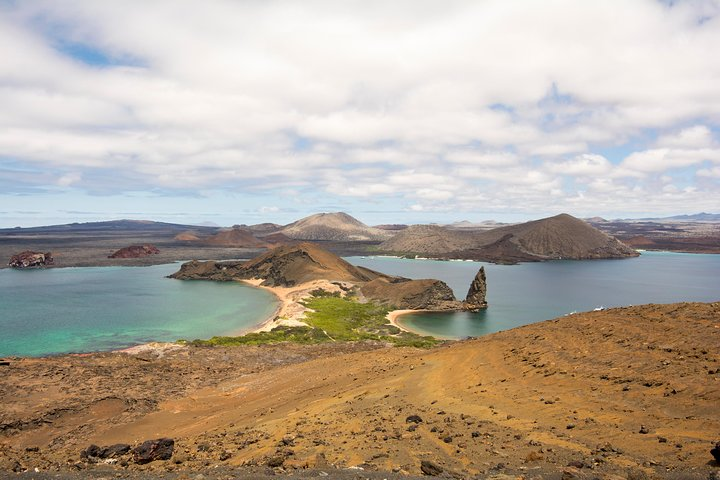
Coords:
pixel 624 393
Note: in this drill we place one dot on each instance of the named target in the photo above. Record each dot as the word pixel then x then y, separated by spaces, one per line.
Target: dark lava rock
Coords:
pixel 430 468
pixel 151 450
pixel 715 452
pixel 413 419
pixel 29 259
pixel 112 451
pixel 135 251
pixel 478 290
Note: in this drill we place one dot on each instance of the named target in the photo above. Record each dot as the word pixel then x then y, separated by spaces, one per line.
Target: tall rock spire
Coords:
pixel 478 289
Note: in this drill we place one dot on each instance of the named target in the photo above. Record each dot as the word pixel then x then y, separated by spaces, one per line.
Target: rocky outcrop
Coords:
pixel 29 259
pixel 475 299
pixel 210 270
pixel 406 294
pixel 135 251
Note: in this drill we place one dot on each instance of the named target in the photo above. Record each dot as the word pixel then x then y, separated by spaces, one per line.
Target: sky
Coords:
pixel 409 111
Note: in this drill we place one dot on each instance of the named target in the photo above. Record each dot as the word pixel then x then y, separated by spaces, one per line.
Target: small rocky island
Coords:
pixel 290 266
pixel 29 259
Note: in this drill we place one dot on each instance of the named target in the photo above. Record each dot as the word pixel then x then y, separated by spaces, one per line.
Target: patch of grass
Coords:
pixel 333 319
pixel 345 319
pixel 302 335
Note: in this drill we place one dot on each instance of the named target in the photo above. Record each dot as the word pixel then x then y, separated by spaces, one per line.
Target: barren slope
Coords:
pixel 528 401
pixel 236 237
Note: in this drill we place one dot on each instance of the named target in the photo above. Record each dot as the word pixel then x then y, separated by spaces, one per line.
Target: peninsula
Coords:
pixel 297 272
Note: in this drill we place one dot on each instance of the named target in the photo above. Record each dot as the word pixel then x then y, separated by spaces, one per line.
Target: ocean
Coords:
pixel 63 310
pixel 532 292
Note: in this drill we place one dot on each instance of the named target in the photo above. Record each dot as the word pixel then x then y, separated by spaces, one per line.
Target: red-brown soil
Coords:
pixel 577 390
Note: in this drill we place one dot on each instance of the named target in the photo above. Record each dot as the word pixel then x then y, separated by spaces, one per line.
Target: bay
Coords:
pixel 532 292
pixel 62 310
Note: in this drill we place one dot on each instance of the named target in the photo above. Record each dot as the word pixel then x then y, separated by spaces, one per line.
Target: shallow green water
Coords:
pixel 532 292
pixel 102 308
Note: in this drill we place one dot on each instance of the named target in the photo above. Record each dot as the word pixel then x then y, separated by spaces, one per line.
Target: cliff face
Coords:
pixel 406 294
pixel 29 258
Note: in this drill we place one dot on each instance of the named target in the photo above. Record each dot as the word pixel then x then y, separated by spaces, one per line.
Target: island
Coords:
pixel 301 275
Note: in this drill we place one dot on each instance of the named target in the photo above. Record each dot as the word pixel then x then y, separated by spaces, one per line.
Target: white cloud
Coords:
pixel 582 165
pixel 698 136
pixel 440 104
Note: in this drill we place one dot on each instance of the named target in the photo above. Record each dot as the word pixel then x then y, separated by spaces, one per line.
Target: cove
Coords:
pixel 531 292
pixel 64 310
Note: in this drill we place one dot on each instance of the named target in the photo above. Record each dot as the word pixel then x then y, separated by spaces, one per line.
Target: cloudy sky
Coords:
pixel 406 111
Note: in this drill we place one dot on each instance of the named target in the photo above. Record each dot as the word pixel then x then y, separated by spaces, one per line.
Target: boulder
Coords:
pixel 478 289
pixel 111 451
pixel 715 452
pixel 29 258
pixel 151 450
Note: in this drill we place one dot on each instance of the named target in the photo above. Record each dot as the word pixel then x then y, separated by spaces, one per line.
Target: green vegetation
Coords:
pixel 333 319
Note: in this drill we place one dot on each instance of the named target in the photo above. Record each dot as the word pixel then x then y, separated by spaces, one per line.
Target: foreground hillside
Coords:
pixel 625 393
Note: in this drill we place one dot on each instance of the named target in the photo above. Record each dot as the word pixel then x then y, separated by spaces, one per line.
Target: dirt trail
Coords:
pixel 576 390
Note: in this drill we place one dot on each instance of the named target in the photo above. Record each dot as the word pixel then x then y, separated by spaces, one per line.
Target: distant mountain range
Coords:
pixel 696 217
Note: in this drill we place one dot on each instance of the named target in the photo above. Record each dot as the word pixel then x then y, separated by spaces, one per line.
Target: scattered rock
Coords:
pixel 151 450
pixel 430 468
pixel 644 429
pixel 413 419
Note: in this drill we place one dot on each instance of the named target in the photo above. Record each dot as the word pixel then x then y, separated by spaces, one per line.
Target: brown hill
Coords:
pixel 337 226
pixel 290 265
pixel 135 251
pixel 188 236
pixel 428 239
pixel 237 237
pixel 278 239
pixel 560 237
pixel 285 266
pixel 264 228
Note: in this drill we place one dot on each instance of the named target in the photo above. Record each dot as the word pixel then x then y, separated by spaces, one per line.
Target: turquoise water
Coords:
pixel 532 292
pixel 65 310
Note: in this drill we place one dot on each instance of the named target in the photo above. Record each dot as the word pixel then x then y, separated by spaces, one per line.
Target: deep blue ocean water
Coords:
pixel 63 310
pixel 532 292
